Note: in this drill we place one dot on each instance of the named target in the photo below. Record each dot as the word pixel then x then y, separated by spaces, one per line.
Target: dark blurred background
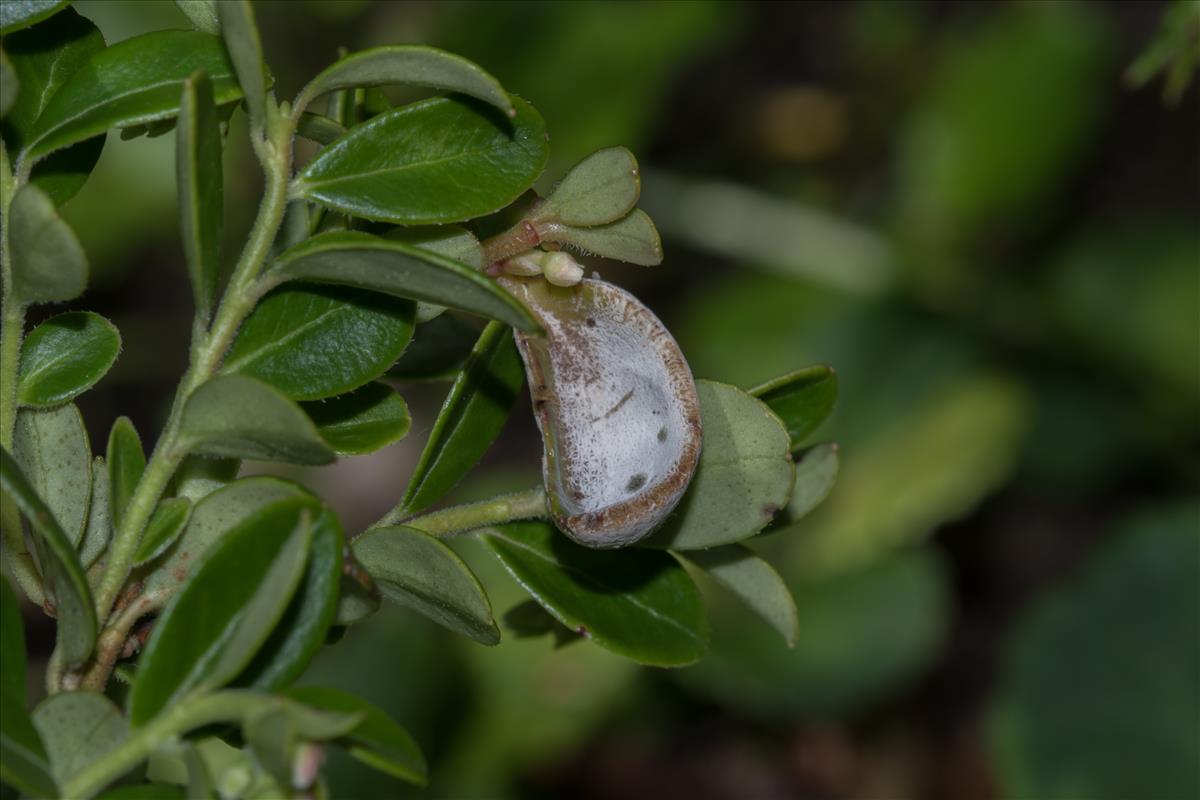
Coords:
pixel 986 222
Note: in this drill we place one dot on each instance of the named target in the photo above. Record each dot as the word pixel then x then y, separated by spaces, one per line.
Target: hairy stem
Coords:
pixel 529 504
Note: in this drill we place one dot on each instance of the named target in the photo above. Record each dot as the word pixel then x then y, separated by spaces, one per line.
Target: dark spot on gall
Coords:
pixel 662 434
pixel 591 323
pixel 636 482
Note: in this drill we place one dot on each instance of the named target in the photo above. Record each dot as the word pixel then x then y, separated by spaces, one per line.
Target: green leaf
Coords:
pixel 802 399
pixel 24 764
pixel 245 51
pixel 754 582
pixel 126 463
pixel 633 239
pixel 638 603
pixel 442 160
pixel 368 262
pixel 212 518
pixel 414 569
pixel 12 645
pixel 1094 698
pixel 744 477
pixel 376 741
pixel 199 781
pixel 616 405
pixel 319 128
pixel 163 528
pixel 48 263
pixel 98 530
pixel 18 14
pixel 312 342
pixel 198 477
pixel 43 57
pixel 202 14
pixel 198 176
pixel 413 65
pixel 134 82
pixel 602 188
pixel 10 84
pixel 450 241
pixel 475 410
pixel 816 470
pixel 51 448
pixel 305 623
pixel 226 610
pixel 148 791
pixel 77 729
pixel 358 596
pixel 66 583
pixel 438 350
pixel 366 420
pixel 65 356
pixel 234 416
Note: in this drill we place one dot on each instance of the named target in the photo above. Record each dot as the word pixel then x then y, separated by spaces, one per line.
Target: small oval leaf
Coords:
pixel 816 471
pixel 312 341
pixel 443 160
pixel 65 356
pixel 754 582
pixel 126 463
pixel 66 582
pixel 98 531
pixel 18 14
pixel 617 408
pixel 381 265
pixel 134 82
pixel 78 728
pixel 366 420
pixel 744 477
pixel 416 570
pixel 24 764
pixel 602 188
pixel 413 65
pixel 168 522
pixel 48 263
pixel 198 175
pixel 638 603
pixel 51 447
pixel 225 611
pixel 241 39
pixel 471 418
pixel 633 239
pixel 376 740
pixel 802 399
pixel 233 416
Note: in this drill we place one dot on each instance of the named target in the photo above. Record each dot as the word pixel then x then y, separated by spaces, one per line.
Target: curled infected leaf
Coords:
pixel 617 407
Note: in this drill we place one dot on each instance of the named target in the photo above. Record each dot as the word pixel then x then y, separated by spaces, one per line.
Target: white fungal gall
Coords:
pixel 561 269
pixel 616 405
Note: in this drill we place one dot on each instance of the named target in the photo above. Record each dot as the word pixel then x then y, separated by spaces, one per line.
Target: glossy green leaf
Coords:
pixel 312 341
pixel 165 525
pixel 438 350
pixel 633 239
pixel 12 645
pixel 48 263
pixel 65 356
pixel 816 471
pixel 134 82
pixel 802 399
pixel 744 477
pixel 245 51
pixel 754 582
pixel 319 128
pixel 443 160
pixel 234 416
pixel 416 570
pixel 369 262
pixel 377 740
pixel 226 610
pixel 304 625
pixel 202 14
pixel 638 603
pixel 413 65
pixel 212 518
pixel 51 447
pixel 24 764
pixel 1094 697
pixel 66 583
pixel 98 530
pixel 602 188
pixel 450 241
pixel 18 14
pixel 474 412
pixel 10 84
pixel 78 728
pixel 198 176
pixel 126 463
pixel 366 420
